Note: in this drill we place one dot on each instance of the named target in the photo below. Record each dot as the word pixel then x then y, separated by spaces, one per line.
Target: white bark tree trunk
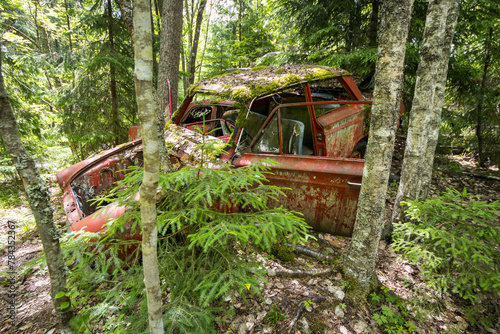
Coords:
pixel 143 51
pixel 38 198
pixel 425 116
pixel 359 261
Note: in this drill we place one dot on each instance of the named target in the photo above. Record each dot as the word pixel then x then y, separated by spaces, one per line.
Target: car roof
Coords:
pixel 258 81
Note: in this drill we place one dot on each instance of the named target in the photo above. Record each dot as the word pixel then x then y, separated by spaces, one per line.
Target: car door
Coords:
pixel 325 190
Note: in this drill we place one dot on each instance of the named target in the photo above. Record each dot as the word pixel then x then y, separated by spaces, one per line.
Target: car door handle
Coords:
pixel 354 184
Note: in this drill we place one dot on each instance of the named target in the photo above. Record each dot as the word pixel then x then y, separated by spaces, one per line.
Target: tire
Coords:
pixel 359 150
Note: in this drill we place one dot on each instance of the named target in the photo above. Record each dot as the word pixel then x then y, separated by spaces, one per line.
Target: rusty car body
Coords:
pixel 310 119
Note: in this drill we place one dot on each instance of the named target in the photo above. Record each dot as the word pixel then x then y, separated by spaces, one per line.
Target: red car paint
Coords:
pixel 311 139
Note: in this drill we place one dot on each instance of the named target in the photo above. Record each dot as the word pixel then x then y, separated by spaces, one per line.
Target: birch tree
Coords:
pixel 359 261
pixel 425 116
pixel 143 51
pixel 39 201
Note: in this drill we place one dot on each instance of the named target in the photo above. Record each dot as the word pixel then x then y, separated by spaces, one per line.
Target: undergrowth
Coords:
pixel 204 215
pixel 454 238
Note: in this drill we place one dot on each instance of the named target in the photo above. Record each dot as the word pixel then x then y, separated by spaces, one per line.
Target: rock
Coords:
pixel 280 285
pixel 312 281
pixel 267 330
pixel 339 312
pixel 337 292
pixel 271 272
pixel 305 325
pixel 268 301
pixel 359 326
pixel 261 315
pixel 390 251
pixel 343 330
pixel 235 324
pixel 250 325
pixel 326 282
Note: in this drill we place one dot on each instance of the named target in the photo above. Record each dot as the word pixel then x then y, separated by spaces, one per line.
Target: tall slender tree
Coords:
pixel 194 20
pixel 170 51
pixel 359 261
pixel 143 51
pixel 425 116
pixel 38 198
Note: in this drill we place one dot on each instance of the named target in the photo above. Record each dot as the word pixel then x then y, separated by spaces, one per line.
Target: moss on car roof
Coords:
pixel 247 84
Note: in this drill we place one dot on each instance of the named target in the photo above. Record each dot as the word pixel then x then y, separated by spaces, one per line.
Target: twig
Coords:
pixel 311 253
pixel 303 273
pixel 487 177
pixel 301 310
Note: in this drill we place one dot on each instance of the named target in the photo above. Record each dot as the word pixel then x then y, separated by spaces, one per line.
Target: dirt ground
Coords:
pixel 312 304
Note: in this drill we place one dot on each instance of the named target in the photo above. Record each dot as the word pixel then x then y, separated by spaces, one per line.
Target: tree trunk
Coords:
pixel 143 50
pixel 479 109
pixel 372 34
pixel 69 25
pixel 112 80
pixel 126 10
pixel 38 198
pixel 193 51
pixel 205 42
pixel 170 51
pixel 359 261
pixel 425 116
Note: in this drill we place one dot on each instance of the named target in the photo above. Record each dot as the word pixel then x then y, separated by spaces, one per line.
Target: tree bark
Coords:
pixel 69 25
pixel 479 109
pixel 359 260
pixel 372 34
pixel 425 116
pixel 38 198
pixel 112 79
pixel 127 16
pixel 170 51
pixel 193 51
pixel 143 51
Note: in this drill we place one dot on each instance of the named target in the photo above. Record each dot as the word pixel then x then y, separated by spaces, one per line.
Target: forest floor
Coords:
pixel 310 304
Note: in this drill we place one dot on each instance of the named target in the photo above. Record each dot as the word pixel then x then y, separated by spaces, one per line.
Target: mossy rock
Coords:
pixel 282 252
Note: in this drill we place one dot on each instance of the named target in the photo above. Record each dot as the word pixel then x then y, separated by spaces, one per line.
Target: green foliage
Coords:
pixel 323 24
pixel 274 316
pixel 88 118
pixel 205 216
pixel 454 241
pixel 393 312
pixel 239 37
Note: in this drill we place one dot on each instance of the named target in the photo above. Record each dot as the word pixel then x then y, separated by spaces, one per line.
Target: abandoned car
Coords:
pixel 310 119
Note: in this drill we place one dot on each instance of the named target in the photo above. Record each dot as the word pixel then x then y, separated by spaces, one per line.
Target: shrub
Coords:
pixel 205 215
pixel 454 241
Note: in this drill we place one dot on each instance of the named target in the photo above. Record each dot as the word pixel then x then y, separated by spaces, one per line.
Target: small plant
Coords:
pixel 392 322
pixel 393 312
pixel 308 304
pixel 274 315
pixel 451 238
